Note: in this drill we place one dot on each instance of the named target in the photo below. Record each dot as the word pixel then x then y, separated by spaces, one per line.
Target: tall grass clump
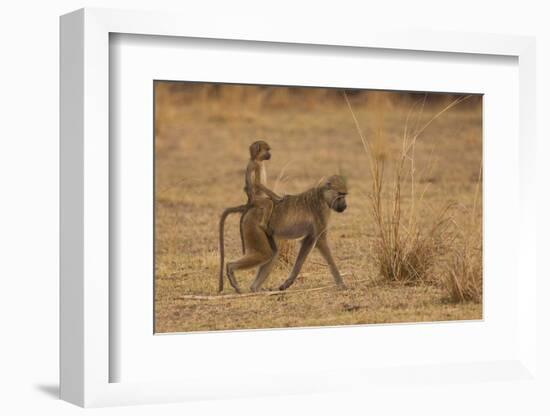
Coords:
pixel 463 278
pixel 403 251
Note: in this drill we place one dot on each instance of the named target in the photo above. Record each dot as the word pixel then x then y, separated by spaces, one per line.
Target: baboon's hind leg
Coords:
pixel 265 269
pixel 257 247
pixel 248 261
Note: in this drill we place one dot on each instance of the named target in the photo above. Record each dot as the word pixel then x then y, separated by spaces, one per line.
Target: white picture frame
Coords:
pixel 85 182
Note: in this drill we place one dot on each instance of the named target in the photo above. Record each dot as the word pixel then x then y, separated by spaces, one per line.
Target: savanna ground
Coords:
pixel 201 149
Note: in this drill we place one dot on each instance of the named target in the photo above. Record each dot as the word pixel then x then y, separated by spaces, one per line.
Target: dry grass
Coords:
pixel 464 275
pixel 403 251
pixel 464 272
pixel 202 136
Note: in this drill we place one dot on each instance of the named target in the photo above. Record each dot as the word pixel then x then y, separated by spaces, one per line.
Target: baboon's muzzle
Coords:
pixel 340 205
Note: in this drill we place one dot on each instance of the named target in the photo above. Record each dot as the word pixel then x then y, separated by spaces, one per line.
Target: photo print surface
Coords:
pixel 347 206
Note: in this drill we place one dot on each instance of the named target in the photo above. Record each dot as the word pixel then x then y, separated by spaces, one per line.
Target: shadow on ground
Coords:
pixel 51 390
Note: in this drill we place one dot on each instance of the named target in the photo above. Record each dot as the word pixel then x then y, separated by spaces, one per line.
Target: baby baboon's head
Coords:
pixel 334 192
pixel 260 150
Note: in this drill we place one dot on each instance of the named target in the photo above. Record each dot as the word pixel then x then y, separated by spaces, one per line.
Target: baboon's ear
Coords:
pixel 254 150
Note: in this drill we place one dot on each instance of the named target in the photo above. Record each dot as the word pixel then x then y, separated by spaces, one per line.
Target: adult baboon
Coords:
pixel 304 216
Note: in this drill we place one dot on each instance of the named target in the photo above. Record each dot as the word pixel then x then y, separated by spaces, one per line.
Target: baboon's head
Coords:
pixel 260 150
pixel 334 193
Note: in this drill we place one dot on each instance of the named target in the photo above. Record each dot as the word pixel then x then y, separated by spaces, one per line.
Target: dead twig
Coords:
pixel 266 293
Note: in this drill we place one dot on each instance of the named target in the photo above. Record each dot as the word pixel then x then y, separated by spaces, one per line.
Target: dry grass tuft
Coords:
pixel 464 275
pixel 463 279
pixel 403 253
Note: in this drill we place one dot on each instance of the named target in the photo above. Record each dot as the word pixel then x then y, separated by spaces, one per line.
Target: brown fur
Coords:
pixel 260 197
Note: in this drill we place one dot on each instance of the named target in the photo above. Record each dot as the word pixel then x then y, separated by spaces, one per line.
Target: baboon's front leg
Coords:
pixel 324 249
pixel 305 249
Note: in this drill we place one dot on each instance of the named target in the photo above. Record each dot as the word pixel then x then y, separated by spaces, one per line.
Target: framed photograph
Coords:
pixel 272 212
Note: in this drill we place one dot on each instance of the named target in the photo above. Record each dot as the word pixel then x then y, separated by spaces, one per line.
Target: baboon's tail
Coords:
pixel 225 213
pixel 241 229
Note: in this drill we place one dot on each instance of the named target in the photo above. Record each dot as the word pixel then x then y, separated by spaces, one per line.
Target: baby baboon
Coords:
pixel 260 197
pixel 304 216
